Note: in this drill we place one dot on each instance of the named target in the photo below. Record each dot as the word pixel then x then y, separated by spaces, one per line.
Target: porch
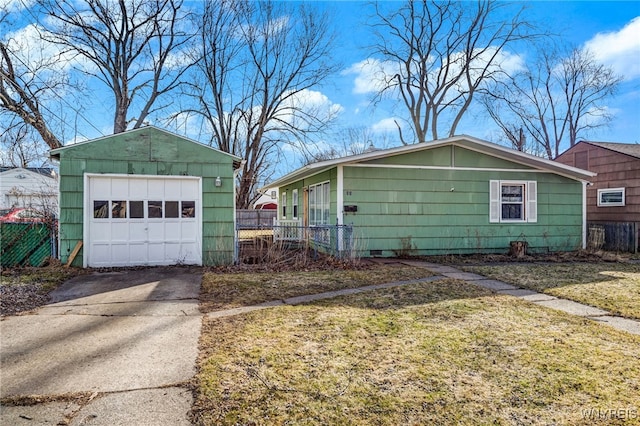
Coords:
pixel 254 242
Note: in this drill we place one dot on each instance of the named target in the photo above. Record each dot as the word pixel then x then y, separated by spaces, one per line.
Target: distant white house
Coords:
pixel 268 200
pixel 35 188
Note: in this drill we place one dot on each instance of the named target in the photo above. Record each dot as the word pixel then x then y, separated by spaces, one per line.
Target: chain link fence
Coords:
pixel 27 244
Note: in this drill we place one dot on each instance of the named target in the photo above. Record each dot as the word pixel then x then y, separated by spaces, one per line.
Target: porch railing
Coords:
pixel 334 240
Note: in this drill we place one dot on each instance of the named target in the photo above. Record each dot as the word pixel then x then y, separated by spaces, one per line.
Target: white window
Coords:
pixel 294 203
pixel 284 205
pixel 611 197
pixel 513 201
pixel 319 204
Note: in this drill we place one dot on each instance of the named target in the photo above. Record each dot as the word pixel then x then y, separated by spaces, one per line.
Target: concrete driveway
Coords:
pixel 127 341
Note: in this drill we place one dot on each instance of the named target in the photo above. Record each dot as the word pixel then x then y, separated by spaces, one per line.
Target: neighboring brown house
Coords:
pixel 614 196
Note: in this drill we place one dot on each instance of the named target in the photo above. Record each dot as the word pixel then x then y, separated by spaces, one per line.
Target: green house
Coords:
pixel 146 197
pixel 459 195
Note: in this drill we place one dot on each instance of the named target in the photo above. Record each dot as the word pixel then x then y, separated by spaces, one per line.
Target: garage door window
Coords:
pixel 100 209
pixel 188 209
pixel 136 209
pixel 170 209
pixel 119 209
pixel 155 209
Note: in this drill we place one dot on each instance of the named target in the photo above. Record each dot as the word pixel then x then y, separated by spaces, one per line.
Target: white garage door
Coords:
pixel 142 220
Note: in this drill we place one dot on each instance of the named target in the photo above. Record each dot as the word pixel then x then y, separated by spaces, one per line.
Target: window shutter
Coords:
pixel 532 201
pixel 494 201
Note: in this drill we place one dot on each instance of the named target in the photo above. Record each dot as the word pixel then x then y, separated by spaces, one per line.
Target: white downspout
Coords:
pixel 340 196
pixel 584 215
pixel 340 204
pixel 236 250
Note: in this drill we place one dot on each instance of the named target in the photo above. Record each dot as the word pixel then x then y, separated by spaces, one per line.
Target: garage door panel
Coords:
pixel 156 189
pixel 139 237
pixel 188 191
pixel 172 251
pixel 189 251
pixel 172 232
pixel 137 232
pixel 120 188
pixel 138 189
pixel 156 232
pixel 120 231
pixel 101 187
pixel 189 231
pixel 120 253
pixel 138 253
pixel 156 251
pixel 172 189
pixel 101 234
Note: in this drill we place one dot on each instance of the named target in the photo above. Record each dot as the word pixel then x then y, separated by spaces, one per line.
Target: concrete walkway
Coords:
pixel 568 306
pixel 117 348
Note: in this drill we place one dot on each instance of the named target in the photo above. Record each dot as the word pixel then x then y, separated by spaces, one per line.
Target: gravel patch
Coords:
pixel 15 299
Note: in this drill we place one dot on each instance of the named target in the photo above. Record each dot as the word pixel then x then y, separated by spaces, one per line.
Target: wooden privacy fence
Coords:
pixel 26 244
pixel 615 236
pixel 255 219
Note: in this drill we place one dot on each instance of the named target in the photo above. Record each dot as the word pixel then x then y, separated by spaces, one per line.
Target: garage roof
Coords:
pixel 55 153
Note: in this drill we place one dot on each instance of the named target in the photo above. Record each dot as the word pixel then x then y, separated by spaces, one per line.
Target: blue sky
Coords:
pixel 597 24
pixel 610 29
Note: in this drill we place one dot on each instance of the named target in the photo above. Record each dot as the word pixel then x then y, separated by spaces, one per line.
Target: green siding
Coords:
pixel 414 211
pixel 447 156
pixel 150 151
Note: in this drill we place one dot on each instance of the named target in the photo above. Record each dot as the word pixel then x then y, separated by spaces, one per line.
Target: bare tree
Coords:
pixel 20 147
pixel 259 62
pixel 440 54
pixel 558 99
pixel 353 140
pixel 26 83
pixel 134 47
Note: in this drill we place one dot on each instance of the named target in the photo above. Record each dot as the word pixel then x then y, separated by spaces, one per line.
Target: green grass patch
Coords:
pixel 444 352
pixel 614 287
pixel 231 290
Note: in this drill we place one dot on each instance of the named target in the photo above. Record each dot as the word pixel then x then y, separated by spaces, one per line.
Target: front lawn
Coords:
pixel 231 290
pixel 444 352
pixel 614 287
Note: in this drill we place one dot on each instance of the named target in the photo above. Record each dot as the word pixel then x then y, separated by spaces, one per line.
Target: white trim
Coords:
pixel 529 201
pixel 584 215
pixel 283 202
pixel 532 202
pixel 88 209
pixel 54 152
pixel 295 202
pixel 85 221
pixel 236 255
pixel 315 186
pixel 340 196
pixel 607 190
pixel 463 141
pixel 473 169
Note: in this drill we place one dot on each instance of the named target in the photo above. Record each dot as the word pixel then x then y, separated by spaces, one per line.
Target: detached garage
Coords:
pixel 146 197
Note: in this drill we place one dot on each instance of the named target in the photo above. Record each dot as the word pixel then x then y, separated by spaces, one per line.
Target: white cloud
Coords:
pixel 386 125
pixel 308 103
pixel 15 5
pixel 27 44
pixel 620 49
pixel 370 75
